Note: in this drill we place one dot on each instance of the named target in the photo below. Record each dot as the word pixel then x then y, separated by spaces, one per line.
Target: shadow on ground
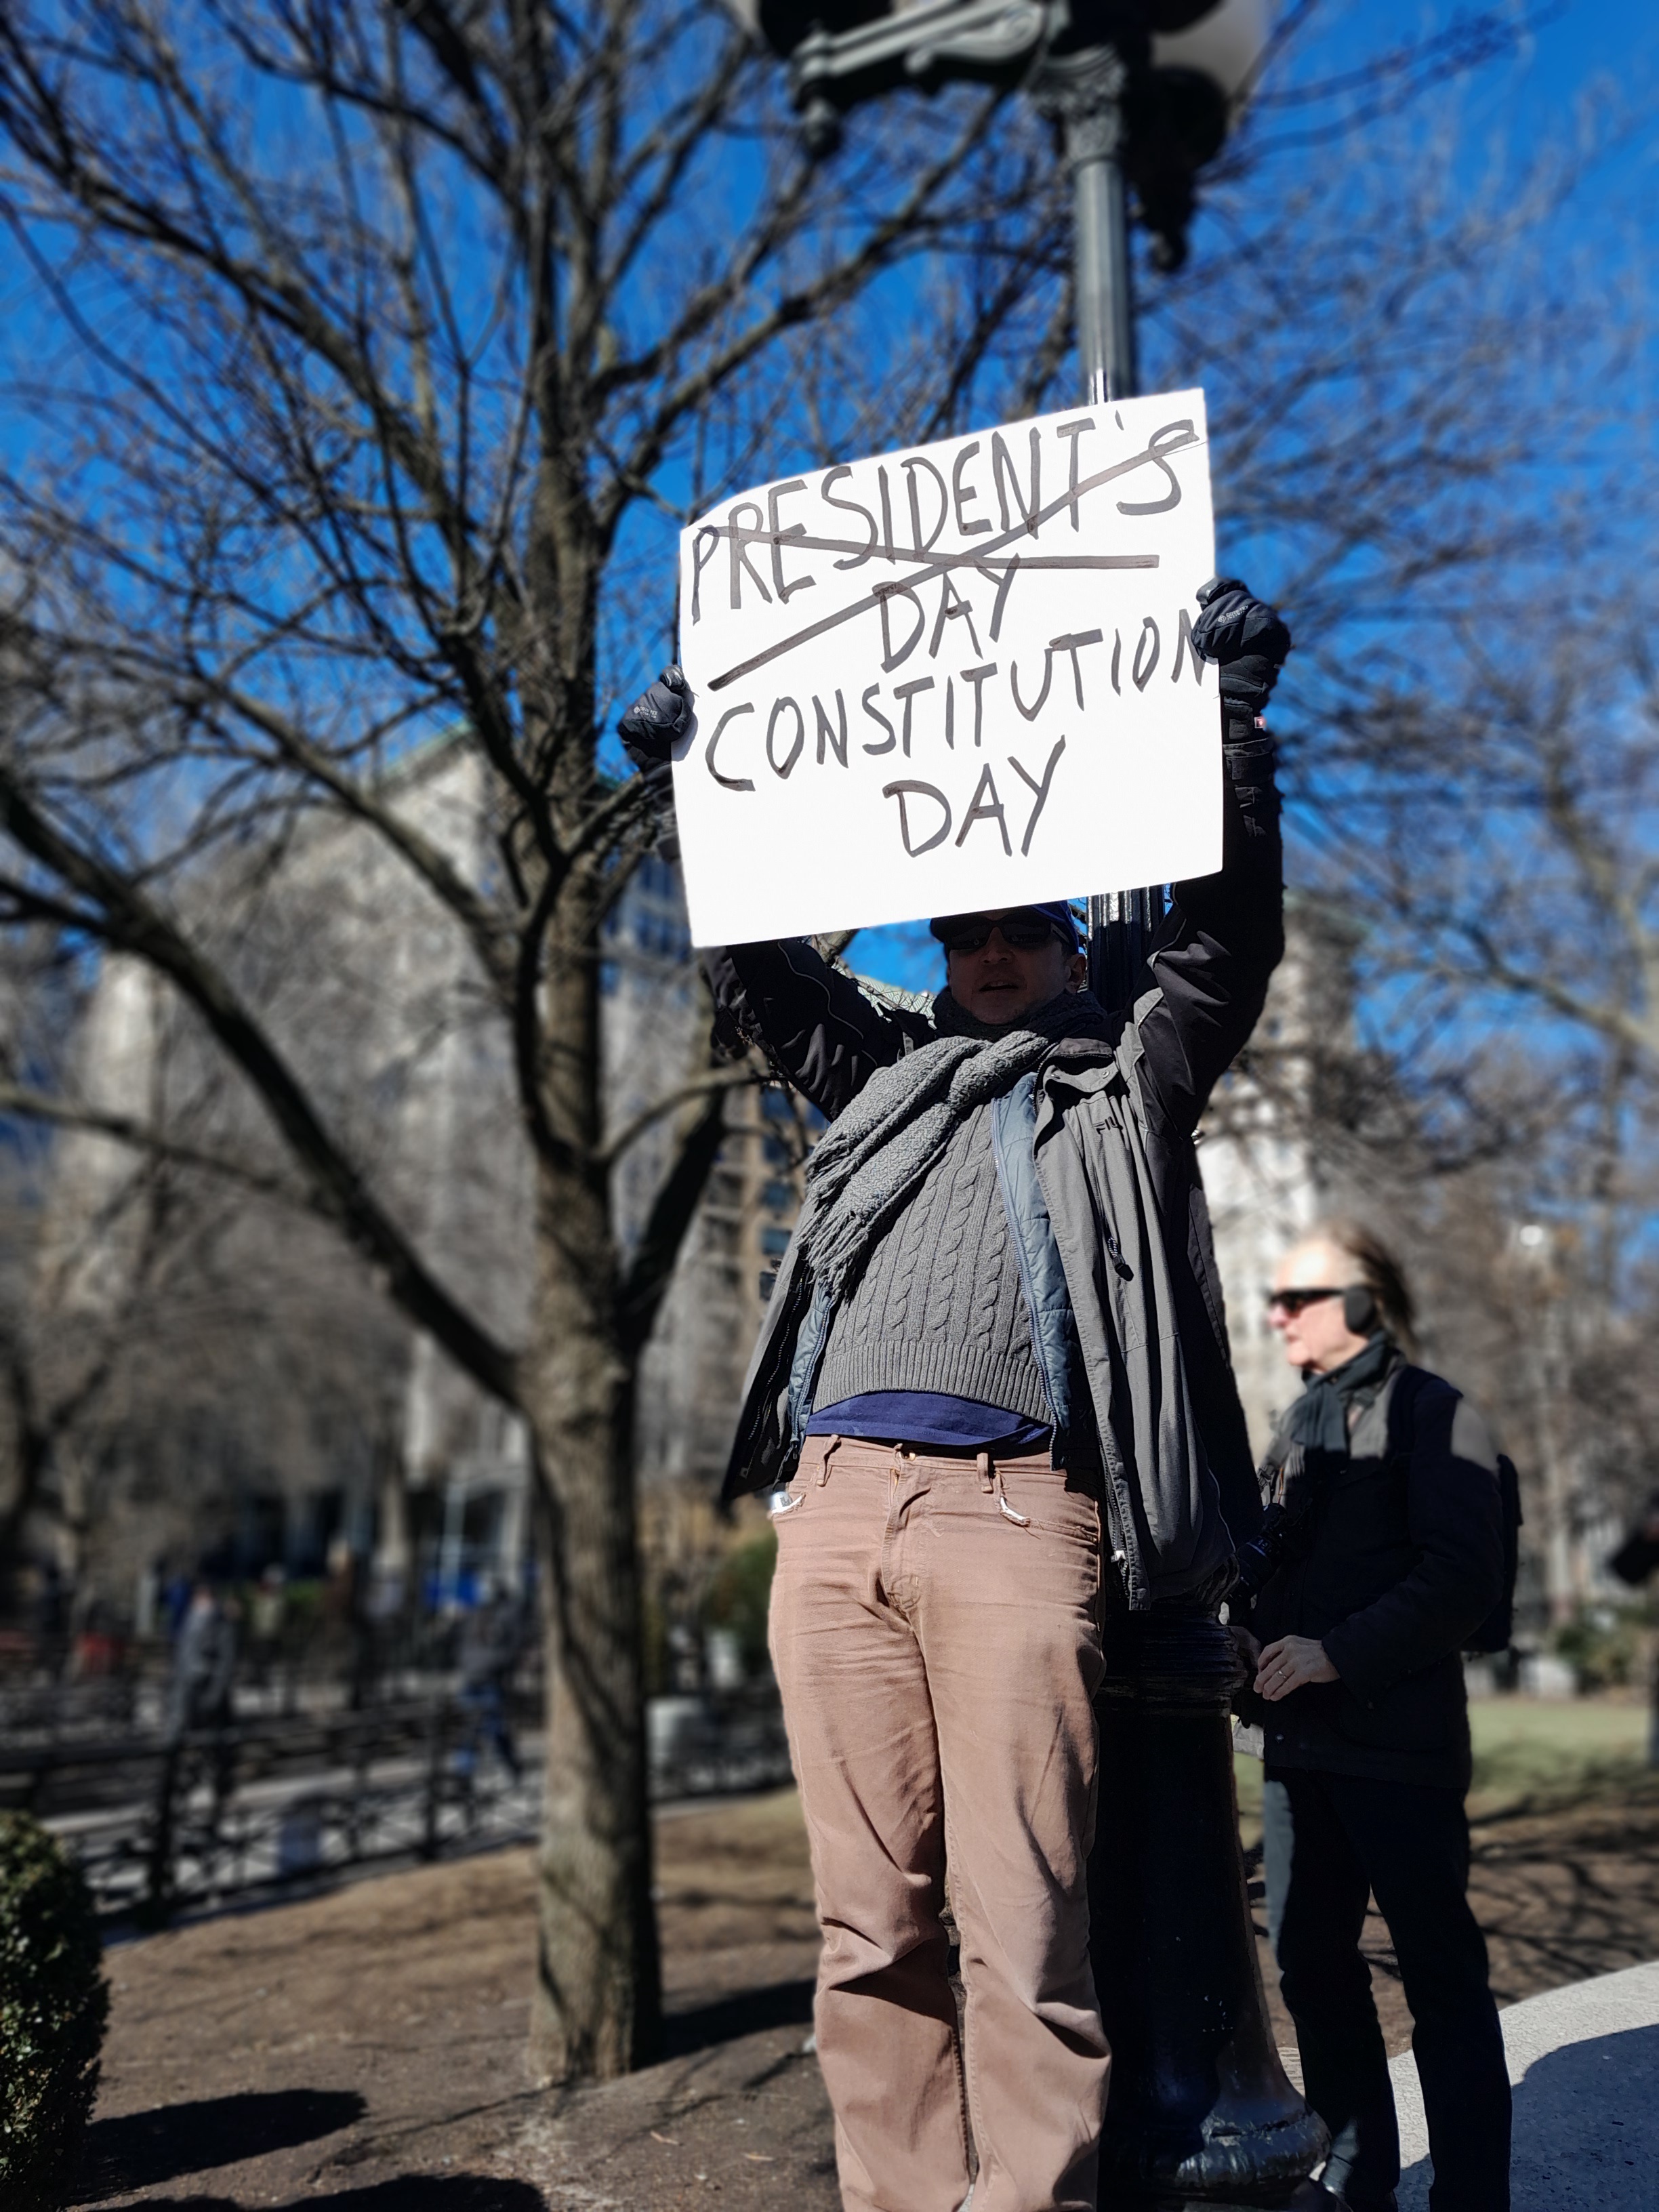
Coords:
pixel 784 2004
pixel 142 2149
pixel 409 2192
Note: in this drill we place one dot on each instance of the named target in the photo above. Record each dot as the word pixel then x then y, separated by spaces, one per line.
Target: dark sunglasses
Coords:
pixel 1291 1302
pixel 1020 933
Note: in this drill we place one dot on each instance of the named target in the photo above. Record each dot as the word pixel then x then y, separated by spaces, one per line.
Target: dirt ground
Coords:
pixel 366 2046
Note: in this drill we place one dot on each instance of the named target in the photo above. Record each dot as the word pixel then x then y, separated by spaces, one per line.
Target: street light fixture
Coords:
pixel 1141 92
pixel 1144 92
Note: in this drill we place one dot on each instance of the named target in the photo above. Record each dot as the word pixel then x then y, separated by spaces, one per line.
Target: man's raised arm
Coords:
pixel 1225 934
pixel 819 1031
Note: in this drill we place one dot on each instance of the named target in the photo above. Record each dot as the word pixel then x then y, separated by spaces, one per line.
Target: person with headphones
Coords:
pixel 1382 1554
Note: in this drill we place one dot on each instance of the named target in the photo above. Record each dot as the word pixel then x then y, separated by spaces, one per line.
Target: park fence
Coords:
pixel 165 1826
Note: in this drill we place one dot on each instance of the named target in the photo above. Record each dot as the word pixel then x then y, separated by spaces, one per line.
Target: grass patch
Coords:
pixel 1543 1750
pixel 1554 1750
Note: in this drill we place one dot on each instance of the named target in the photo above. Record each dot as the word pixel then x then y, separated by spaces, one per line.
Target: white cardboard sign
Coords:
pixel 956 677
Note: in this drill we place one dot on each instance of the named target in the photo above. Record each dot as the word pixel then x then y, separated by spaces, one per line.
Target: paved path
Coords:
pixel 1584 2062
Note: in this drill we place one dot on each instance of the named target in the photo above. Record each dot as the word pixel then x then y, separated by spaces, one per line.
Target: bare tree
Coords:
pixel 370 353
pixel 172 1331
pixel 371 340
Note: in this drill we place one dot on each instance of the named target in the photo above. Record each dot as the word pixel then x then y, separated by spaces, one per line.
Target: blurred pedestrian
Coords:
pixel 51 1617
pixel 267 1620
pixel 201 1693
pixel 1385 1553
pixel 492 1636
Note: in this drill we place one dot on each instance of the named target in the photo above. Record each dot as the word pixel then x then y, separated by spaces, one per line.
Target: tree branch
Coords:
pixel 130 921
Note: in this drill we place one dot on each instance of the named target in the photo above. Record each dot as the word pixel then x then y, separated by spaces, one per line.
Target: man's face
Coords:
pixel 1318 1336
pixel 999 983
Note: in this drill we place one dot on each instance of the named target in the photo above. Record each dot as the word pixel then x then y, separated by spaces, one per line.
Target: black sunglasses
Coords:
pixel 1020 933
pixel 1291 1302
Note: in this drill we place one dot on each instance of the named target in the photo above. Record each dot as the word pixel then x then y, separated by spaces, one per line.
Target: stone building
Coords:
pixel 365 985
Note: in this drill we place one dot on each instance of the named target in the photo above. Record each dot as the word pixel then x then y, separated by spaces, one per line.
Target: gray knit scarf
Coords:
pixel 877 1152
pixel 1311 1444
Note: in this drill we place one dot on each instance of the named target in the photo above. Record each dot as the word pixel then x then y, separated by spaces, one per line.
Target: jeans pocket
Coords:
pixel 1041 1499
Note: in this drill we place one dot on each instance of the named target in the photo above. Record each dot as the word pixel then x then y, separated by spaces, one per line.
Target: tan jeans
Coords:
pixel 935 1629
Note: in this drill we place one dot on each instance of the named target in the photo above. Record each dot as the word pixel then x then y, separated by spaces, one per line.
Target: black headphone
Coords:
pixel 1359 1310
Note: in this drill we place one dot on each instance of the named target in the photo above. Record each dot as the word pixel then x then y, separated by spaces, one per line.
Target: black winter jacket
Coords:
pixel 1400 1559
pixel 1209 971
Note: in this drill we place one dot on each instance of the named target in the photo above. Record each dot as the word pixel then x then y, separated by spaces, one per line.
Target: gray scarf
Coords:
pixel 878 1151
pixel 1311 1443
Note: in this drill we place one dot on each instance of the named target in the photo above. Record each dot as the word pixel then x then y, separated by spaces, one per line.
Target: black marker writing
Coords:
pixel 836 739
pixel 976 677
pixel 1144 676
pixel 905 792
pixel 1167 440
pixel 1004 478
pixel 1073 431
pixel 1041 789
pixel 780 769
pixel 875 716
pixel 986 807
pixel 741 541
pixel 918 542
pixel 1170 439
pixel 1184 644
pixel 731 782
pixel 1003 589
pixel 700 559
pixel 779 536
pixel 885 594
pixel 1072 645
pixel 855 559
pixel 966 495
pixel 907 692
pixel 1031 713
pixel 951 605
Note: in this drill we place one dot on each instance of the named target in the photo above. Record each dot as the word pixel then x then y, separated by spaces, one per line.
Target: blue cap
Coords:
pixel 1057 911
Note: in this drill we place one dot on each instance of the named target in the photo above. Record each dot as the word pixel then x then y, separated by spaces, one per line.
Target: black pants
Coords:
pixel 1329 1839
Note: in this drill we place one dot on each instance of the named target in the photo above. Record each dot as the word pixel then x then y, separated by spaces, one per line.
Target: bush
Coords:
pixel 53 2004
pixel 1604 1644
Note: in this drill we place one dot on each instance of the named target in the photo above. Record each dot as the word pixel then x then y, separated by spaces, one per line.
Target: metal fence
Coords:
pixel 162 1828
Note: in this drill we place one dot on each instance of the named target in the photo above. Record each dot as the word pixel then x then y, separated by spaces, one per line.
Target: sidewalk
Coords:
pixel 1584 2062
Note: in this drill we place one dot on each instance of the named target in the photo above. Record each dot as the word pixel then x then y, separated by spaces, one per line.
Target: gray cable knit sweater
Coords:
pixel 939 1305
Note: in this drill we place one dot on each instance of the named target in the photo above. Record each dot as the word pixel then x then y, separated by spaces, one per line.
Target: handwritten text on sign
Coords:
pixel 957 677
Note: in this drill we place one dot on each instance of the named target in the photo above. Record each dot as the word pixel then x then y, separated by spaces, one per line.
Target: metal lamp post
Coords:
pixel 1141 93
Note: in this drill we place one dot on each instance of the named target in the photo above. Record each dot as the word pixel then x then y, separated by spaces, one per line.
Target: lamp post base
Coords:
pixel 1201 2115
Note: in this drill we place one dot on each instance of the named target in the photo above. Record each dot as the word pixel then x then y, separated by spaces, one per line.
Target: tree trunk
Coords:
pixel 597 2011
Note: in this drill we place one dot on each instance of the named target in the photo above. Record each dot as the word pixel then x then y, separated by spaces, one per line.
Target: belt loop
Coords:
pixel 830 1451
pixel 983 1464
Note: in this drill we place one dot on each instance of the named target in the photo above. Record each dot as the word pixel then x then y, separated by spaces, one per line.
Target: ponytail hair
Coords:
pixel 1381 1274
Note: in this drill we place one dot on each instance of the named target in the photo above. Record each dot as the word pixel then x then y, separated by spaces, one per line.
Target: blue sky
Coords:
pixel 1581 57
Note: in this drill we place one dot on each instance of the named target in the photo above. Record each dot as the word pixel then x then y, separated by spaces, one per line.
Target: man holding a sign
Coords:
pixel 991 1397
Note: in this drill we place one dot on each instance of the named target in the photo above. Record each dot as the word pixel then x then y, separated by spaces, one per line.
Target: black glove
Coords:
pixel 657 719
pixel 649 730
pixel 1248 641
